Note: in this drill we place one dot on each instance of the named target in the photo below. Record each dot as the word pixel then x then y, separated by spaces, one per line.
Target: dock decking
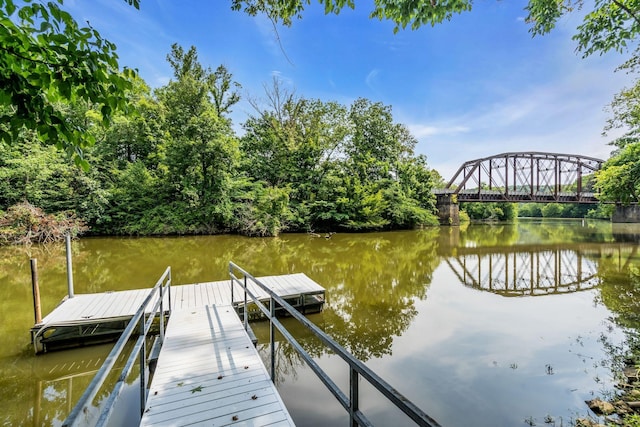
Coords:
pixel 209 372
pixel 101 316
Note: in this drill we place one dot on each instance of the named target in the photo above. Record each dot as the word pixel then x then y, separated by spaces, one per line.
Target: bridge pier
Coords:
pixel 448 209
pixel 629 213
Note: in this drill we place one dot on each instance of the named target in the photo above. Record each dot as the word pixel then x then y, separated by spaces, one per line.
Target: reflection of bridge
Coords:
pixel 533 269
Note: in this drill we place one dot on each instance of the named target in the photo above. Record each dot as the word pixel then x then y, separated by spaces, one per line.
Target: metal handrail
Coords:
pixel 356 367
pixel 79 415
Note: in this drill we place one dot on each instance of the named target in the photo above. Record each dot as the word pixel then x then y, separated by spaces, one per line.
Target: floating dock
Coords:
pixel 99 317
pixel 210 373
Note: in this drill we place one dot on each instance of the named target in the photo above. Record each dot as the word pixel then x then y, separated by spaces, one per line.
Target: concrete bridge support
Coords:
pixel 448 209
pixel 630 213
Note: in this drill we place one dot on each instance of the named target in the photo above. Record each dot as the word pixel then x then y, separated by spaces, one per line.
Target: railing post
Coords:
pixel 272 338
pixel 162 313
pixel 231 278
pixel 353 396
pixel 246 313
pixel 143 357
pixel 169 290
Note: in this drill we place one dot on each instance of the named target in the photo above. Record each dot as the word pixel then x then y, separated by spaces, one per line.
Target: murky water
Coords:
pixel 491 325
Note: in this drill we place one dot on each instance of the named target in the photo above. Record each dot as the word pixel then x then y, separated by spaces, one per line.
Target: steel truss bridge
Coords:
pixel 525 177
pixel 536 270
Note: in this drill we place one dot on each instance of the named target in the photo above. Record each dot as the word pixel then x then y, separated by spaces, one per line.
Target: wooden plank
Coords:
pixel 209 372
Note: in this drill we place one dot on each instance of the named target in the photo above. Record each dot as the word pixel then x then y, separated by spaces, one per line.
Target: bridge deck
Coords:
pixel 209 372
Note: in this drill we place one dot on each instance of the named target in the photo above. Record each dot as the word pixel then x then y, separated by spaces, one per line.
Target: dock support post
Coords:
pixel 37 311
pixel 69 266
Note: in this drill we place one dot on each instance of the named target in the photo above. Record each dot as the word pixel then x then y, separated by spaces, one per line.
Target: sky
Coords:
pixel 472 87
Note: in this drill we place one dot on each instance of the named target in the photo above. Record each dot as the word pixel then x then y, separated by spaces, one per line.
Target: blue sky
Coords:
pixel 471 87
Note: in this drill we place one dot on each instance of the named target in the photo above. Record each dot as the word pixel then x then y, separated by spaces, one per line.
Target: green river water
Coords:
pixel 487 325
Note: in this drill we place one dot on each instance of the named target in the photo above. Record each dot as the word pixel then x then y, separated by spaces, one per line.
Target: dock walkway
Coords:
pixel 209 372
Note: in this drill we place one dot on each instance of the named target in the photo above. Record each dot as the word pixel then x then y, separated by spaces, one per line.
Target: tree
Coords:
pixel 386 186
pixel 626 115
pixel 612 24
pixel 201 148
pixel 46 59
pixel 619 178
pixel 494 211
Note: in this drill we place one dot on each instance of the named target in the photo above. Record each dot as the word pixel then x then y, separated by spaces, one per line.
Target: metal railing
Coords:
pixel 357 369
pixel 81 414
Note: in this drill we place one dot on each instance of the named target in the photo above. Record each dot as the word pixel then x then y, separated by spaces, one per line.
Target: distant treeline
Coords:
pixel 511 211
pixel 177 165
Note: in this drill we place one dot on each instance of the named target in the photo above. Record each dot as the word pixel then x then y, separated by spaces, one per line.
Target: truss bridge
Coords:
pixel 525 177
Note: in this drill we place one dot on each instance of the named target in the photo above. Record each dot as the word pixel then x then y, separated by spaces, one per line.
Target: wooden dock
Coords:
pixel 209 372
pixel 103 316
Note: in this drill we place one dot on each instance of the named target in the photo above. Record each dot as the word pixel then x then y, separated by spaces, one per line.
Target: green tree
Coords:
pixel 610 25
pixel 293 140
pixel 625 108
pixel 494 211
pixel 201 149
pixel 530 210
pixel 552 210
pixel 619 178
pixel 46 59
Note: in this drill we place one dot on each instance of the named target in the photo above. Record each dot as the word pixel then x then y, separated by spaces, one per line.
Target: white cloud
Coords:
pixel 565 114
pixel 425 131
pixel 371 78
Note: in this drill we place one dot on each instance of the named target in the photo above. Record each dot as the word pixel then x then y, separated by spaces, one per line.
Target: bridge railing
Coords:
pixel 517 196
pixel 357 369
pixel 84 414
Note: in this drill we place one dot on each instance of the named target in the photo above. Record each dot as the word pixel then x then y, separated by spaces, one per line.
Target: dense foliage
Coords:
pixel 494 211
pixel 608 25
pixel 619 179
pixel 178 166
pixel 564 210
pixel 47 60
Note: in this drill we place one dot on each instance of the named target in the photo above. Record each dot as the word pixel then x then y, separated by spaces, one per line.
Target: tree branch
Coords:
pixel 37 61
pixel 626 9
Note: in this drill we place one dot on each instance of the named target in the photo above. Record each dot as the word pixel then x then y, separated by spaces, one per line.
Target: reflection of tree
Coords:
pixel 490 235
pixel 42 390
pixel 620 290
pixel 372 283
pixel 528 232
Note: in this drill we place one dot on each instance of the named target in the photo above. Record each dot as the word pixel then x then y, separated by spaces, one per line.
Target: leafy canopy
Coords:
pixel 611 25
pixel 47 60
pixel 619 178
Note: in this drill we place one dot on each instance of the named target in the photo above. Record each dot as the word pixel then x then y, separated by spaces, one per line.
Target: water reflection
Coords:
pixel 408 303
pixel 43 390
pixel 536 271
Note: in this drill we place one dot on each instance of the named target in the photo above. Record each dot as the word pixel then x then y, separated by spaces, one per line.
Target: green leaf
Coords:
pixel 196 389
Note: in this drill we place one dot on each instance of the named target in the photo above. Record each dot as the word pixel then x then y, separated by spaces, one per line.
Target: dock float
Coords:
pixel 99 317
pixel 210 373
